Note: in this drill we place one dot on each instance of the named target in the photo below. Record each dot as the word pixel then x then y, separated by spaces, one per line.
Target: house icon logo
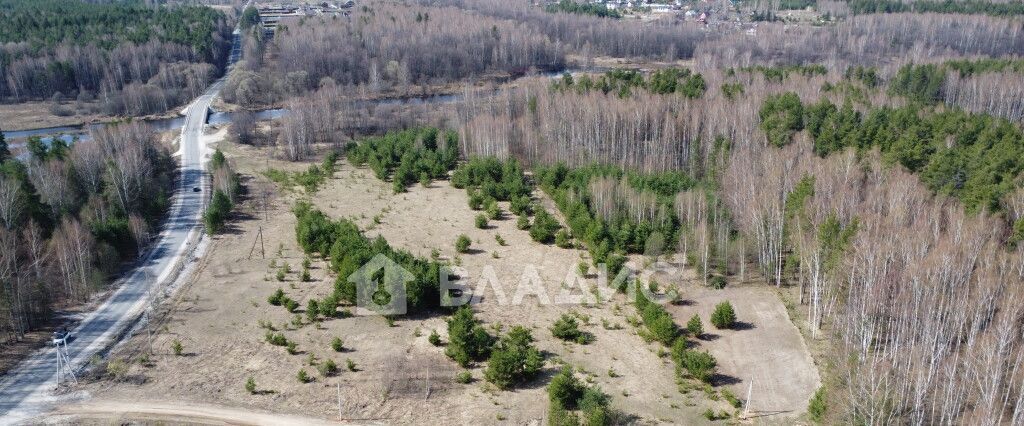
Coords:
pixel 380 287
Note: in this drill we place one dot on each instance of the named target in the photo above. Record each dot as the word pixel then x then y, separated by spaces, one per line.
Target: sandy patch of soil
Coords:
pixel 765 348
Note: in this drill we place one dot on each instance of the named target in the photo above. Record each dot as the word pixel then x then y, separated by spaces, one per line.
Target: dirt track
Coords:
pixel 107 412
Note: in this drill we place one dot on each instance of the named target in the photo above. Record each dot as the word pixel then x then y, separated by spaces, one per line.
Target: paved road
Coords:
pixel 28 389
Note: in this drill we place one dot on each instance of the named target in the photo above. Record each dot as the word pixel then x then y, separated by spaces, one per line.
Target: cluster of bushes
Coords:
pixel 408 156
pixel 316 174
pixel 624 232
pixel 514 359
pixel 698 365
pixel 979 168
pixel 488 178
pixel 656 319
pixel 778 73
pixel 567 395
pixel 226 187
pixel 468 341
pixel 511 360
pixel 544 227
pixel 622 82
pixel 661 327
pixel 347 249
pixel 567 328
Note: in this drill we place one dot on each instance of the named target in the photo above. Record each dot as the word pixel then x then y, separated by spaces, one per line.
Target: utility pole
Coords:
pixel 64 369
pixel 427 393
pixel 259 238
pixel 746 404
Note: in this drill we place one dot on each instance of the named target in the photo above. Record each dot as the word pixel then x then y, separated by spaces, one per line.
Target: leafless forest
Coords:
pixel 387 46
pixel 70 217
pixel 875 40
pixel 591 35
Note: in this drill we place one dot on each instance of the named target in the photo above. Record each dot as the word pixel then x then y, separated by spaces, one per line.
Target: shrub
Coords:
pixel 217 212
pixel 563 240
pixel 493 211
pixel 337 344
pixel 481 221
pixel 710 414
pixel 276 298
pixel 291 305
pixel 176 347
pixel 699 365
pixel 520 206
pixel 304 277
pixel 312 310
pixel 594 405
pixel 544 227
pixel 434 338
pixel 817 407
pixel 733 400
pixel 476 201
pixel 276 339
pixel 723 316
pixel 250 385
pixel 462 243
pixel 351 365
pixel 695 326
pixel 567 328
pixel 523 223
pixel 280 275
pixel 303 377
pixel 464 377
pixel 717 282
pixel 657 320
pixel 467 339
pixel 328 368
pixel 500 240
pixel 291 346
pixel 566 392
pixel 584 268
pixel 329 306
pixel 565 389
pixel 514 359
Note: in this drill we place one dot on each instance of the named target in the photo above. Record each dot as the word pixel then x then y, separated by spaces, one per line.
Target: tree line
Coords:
pixel 592 35
pixel 71 215
pixel 865 40
pixel 996 8
pixel 134 59
pixel 392 47
pixel 979 85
